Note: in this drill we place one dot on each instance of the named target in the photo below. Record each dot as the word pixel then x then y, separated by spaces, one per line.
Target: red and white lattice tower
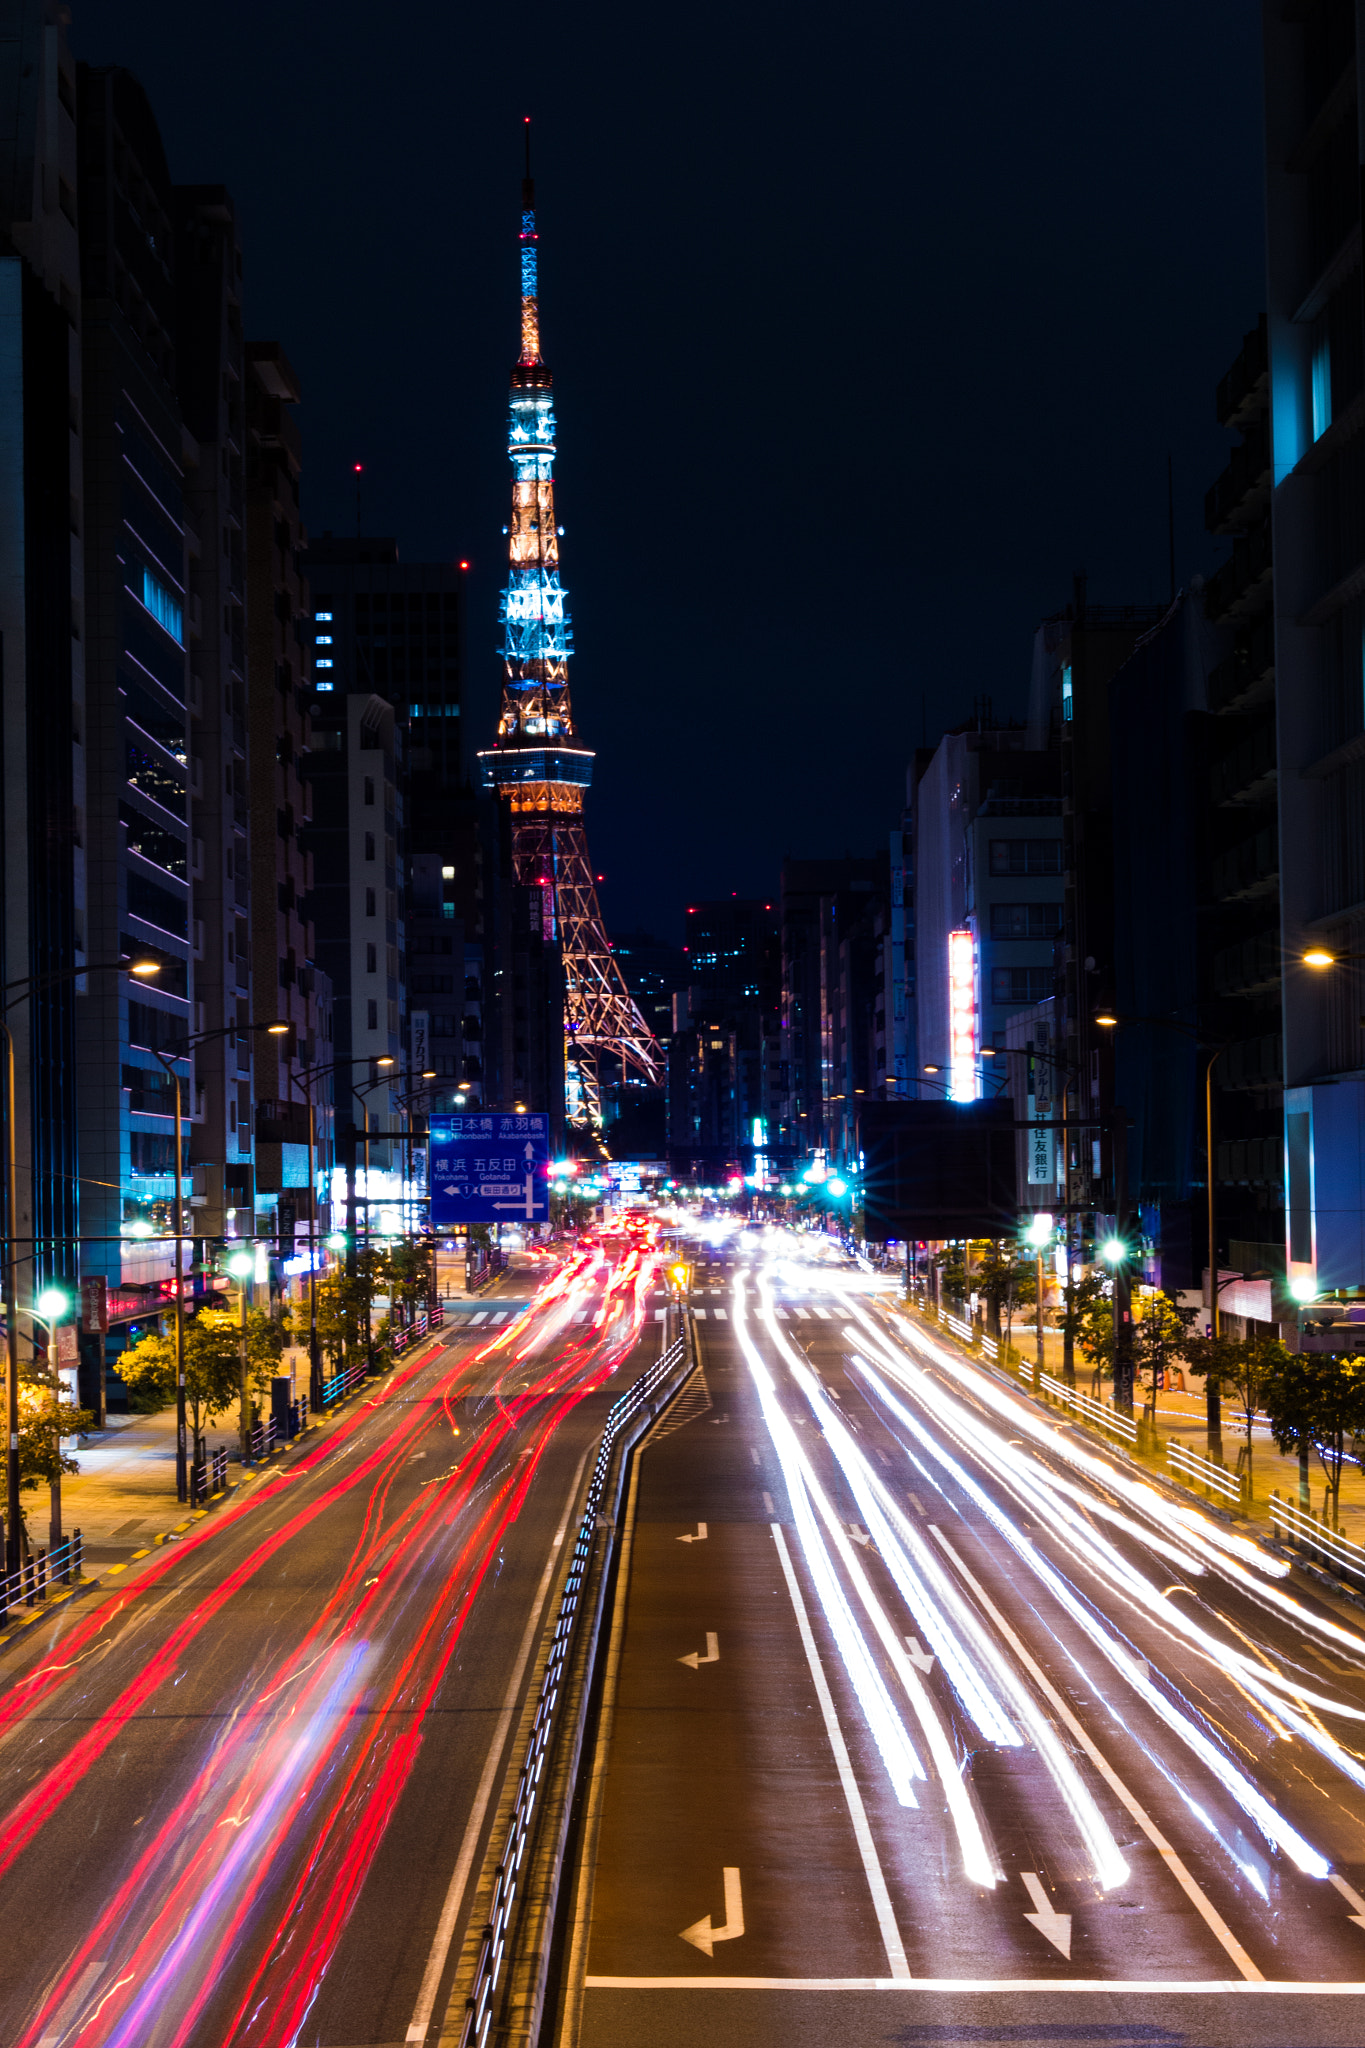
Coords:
pixel 537 766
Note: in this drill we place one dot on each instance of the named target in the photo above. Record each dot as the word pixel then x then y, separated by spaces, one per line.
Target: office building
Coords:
pixel 289 983
pixel 1313 87
pixel 137 628
pixel 43 633
pixel 834 919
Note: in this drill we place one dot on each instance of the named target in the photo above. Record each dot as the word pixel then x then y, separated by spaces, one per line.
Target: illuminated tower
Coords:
pixel 537 766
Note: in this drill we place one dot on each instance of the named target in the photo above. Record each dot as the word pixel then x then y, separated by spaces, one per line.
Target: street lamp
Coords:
pixel 30 985
pixel 241 1266
pixel 52 1304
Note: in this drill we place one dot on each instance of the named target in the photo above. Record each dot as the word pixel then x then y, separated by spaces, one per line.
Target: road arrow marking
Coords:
pixel 859 1535
pixel 694 1657
pixel 1351 1896
pixel 920 1658
pixel 703 1935
pixel 1055 1926
pixel 700 1536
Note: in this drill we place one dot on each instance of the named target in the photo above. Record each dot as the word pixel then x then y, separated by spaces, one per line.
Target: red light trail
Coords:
pixel 249 1878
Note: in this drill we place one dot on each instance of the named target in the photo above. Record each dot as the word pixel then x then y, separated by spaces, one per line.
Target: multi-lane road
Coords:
pixel 927 1719
pixel 244 1784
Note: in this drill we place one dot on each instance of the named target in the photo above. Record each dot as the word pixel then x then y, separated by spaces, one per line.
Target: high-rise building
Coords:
pixel 831 912
pixel 1316 336
pixel 538 765
pixel 207 269
pixel 289 983
pixel 44 632
pixel 137 630
pixel 403 946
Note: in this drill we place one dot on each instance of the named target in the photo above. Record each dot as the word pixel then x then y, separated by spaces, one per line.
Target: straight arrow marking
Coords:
pixel 919 1656
pixel 703 1935
pixel 700 1536
pixel 694 1657
pixel 1351 1896
pixel 1054 1926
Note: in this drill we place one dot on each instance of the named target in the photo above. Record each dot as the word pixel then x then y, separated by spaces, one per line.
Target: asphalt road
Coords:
pixel 948 1725
pixel 242 1785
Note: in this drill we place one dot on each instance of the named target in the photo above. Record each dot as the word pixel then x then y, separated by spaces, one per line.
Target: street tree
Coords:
pixel 1316 1401
pixel 1159 1339
pixel 1242 1367
pixel 212 1370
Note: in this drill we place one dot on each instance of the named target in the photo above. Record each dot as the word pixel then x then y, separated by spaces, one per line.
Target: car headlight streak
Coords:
pixel 896 1537
pixel 1233 1780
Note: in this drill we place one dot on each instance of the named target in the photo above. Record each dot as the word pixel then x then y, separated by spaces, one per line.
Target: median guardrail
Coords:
pixel 588 1560
pixel 40 1573
pixel 1307 1532
pixel 1199 1471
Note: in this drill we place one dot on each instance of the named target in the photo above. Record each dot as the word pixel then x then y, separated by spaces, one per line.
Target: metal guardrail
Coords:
pixel 1094 1411
pixel 479 2005
pixel 1199 1471
pixel 30 1584
pixel 210 1477
pixel 1307 1532
pixel 403 1340
pixel 340 1384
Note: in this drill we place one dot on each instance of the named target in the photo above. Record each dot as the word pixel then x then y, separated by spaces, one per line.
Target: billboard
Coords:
pixel 937 1169
pixel 490 1166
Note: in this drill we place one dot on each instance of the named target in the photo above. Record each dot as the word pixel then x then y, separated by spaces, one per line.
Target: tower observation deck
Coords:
pixel 537 765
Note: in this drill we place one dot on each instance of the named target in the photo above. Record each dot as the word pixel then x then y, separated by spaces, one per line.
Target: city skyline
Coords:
pixel 715 217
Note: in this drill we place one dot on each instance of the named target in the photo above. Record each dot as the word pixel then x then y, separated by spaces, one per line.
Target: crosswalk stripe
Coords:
pixel 804 1312
pixel 700 1313
pixel 659 1315
pixel 721 1315
pixel 481 1317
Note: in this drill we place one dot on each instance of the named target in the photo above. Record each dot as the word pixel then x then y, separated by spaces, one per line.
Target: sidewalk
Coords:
pixel 123 1497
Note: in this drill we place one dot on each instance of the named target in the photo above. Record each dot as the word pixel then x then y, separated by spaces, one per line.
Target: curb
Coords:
pixel 44 1609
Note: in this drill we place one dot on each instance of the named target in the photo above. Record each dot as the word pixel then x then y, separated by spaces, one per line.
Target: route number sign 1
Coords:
pixel 490 1166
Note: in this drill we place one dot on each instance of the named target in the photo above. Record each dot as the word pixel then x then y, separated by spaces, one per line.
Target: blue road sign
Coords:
pixel 490 1166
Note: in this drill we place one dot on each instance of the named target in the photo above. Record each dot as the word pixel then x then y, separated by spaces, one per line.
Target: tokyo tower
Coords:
pixel 537 766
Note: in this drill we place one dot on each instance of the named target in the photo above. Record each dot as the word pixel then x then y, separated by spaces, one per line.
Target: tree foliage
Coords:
pixel 1316 1400
pixel 46 1420
pixel 213 1364
pixel 1242 1367
pixel 1160 1338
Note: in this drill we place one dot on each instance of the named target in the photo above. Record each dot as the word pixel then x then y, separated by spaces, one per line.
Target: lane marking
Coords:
pixel 769 1509
pixel 1052 1925
pixel 919 1656
pixel 857 1812
pixel 700 1536
pixel 1010 1987
pixel 454 1898
pixel 701 1933
pixel 694 1658
pixel 1193 1891
pixel 1351 1896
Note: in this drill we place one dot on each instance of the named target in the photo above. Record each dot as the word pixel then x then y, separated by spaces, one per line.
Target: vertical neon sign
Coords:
pixel 962 1015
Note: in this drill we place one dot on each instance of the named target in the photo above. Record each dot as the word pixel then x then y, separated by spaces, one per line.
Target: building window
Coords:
pixel 1021 984
pixel 1066 694
pixel 1025 920
pixel 164 608
pixel 371 959
pixel 369 789
pixel 372 1016
pixel 1026 856
pixel 369 846
pixel 323 618
pixel 324 639
pixel 369 903
pixel 323 661
pixel 1322 380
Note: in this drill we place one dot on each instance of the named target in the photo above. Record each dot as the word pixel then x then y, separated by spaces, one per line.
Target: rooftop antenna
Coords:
pixel 528 186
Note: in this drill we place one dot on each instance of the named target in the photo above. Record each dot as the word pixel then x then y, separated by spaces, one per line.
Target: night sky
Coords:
pixel 869 326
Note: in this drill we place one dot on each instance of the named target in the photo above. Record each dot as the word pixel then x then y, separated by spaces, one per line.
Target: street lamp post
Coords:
pixel 1213 1404
pixel 241 1266
pixel 51 1306
pixel 31 984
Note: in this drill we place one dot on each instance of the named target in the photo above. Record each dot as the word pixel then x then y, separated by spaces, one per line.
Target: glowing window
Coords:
pixel 320 616
pixel 324 639
pixel 1066 694
pixel 325 661
pixel 164 608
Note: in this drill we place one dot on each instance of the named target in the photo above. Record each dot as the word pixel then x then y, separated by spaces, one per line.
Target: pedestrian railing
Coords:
pixel 340 1384
pixel 1101 1412
pixel 1199 1471
pixel 1307 1532
pixel 263 1440
pixel 961 1330
pixel 479 2006
pixel 210 1477
pixel 403 1338
pixel 40 1572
